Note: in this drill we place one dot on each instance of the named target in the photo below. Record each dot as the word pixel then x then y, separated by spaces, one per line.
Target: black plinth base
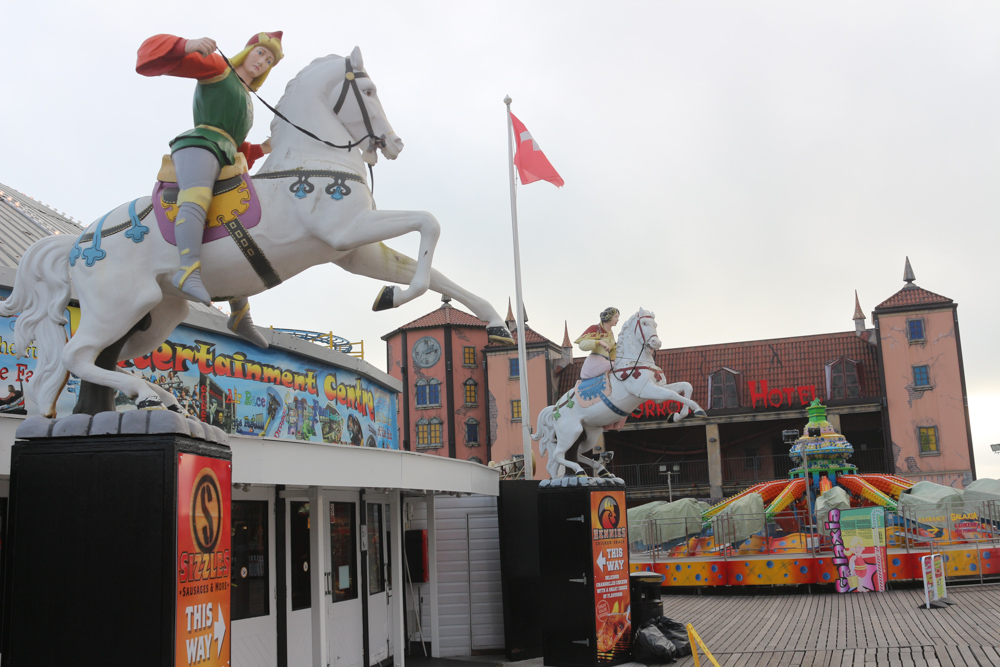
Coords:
pixel 583 547
pixel 90 575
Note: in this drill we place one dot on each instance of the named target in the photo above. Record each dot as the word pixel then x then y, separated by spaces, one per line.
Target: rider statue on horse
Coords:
pixel 223 116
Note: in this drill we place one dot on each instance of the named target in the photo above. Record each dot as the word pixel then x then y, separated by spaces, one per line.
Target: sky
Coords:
pixel 738 168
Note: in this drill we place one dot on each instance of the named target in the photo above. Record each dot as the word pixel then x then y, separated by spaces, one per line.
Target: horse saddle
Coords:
pixel 234 202
pixel 589 391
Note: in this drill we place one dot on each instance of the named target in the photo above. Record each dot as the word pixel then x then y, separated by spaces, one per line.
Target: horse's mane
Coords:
pixel 297 82
pixel 629 344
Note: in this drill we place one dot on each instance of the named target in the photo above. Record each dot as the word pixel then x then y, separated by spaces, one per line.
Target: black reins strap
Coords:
pixel 364 110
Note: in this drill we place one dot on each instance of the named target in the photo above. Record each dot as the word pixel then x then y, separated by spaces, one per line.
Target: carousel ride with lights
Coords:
pixel 772 527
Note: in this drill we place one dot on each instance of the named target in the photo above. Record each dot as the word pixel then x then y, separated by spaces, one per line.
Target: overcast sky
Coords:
pixel 739 168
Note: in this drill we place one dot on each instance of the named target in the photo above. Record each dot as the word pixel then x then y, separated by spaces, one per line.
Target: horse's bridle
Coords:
pixel 351 81
pixel 351 78
pixel 638 327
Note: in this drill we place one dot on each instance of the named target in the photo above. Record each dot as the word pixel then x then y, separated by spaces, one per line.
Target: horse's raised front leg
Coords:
pixel 686 390
pixel 661 394
pixel 371 227
pixel 380 262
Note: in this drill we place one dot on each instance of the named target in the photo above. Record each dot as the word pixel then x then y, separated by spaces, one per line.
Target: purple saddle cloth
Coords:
pixel 233 198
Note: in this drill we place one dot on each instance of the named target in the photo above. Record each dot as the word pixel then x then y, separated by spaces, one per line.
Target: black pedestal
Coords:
pixel 583 543
pixel 520 569
pixel 118 552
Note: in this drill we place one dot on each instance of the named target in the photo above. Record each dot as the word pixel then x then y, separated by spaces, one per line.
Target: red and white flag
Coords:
pixel 531 163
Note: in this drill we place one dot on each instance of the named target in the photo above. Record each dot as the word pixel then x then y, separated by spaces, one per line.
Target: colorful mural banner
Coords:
pixel 204 557
pixel 236 386
pixel 611 575
pixel 859 548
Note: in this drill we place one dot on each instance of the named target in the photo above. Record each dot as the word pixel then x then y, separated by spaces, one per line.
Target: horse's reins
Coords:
pixel 351 80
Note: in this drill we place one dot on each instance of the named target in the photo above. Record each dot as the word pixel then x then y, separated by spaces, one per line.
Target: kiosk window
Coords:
pixel 376 557
pixel 343 550
pixel 249 582
pixel 299 542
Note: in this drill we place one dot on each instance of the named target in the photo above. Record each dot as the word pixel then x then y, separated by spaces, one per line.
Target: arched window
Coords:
pixel 471 431
pixel 428 392
pixel 475 459
pixel 435 432
pixel 422 429
pixel 471 392
pixel 842 379
pixel 723 389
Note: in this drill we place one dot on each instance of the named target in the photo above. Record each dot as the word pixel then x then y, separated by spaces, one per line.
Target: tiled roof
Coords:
pixel 782 362
pixel 446 314
pixel 530 336
pixel 911 295
pixel 23 221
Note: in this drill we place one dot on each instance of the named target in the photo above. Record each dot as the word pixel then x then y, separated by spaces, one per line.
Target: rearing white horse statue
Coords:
pixel 579 417
pixel 119 278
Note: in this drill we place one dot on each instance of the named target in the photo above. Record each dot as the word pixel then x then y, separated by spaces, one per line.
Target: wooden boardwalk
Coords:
pixel 829 630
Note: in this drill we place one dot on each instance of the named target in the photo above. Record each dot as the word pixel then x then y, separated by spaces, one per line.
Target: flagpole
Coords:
pixel 522 361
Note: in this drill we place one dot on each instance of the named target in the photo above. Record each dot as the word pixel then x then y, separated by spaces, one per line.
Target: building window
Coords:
pixel 428 393
pixel 921 376
pixel 476 459
pixel 423 426
pixel 515 367
pixel 471 431
pixel 515 410
pixel 725 390
pixel 343 545
pixel 250 589
pixel 298 533
pixel 471 392
pixel 435 432
pixel 843 379
pixel 469 355
pixel 928 440
pixel 915 330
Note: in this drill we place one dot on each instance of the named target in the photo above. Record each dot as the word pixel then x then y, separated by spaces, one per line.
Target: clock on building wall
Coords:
pixel 426 352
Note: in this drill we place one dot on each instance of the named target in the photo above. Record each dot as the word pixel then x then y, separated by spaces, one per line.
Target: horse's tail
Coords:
pixel 42 290
pixel 546 434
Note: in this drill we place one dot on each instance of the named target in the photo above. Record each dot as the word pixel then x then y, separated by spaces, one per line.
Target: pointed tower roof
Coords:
pixel 566 341
pixel 447 314
pixel 908 276
pixel 858 313
pixel 510 311
pixel 912 295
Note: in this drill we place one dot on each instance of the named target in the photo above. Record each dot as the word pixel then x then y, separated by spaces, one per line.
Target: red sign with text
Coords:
pixel 204 556
pixel 611 578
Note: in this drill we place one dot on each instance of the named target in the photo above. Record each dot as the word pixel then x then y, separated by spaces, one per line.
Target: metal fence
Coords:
pixel 680 474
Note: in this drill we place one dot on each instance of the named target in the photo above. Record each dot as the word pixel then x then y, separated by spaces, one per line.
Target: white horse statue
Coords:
pixel 579 417
pixel 122 280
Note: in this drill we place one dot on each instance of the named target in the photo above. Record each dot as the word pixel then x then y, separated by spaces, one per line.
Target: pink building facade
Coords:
pixel 507 410
pixel 927 415
pixel 443 407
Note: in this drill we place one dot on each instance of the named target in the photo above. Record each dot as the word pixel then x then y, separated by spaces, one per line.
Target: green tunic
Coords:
pixel 224 104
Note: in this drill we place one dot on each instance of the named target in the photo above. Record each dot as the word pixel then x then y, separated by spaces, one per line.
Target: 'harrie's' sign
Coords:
pixel 799 396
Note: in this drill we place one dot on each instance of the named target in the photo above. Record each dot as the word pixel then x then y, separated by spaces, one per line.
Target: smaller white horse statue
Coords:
pixel 577 419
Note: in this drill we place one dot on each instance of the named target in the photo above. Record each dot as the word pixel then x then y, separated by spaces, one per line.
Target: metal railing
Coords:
pixel 687 474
